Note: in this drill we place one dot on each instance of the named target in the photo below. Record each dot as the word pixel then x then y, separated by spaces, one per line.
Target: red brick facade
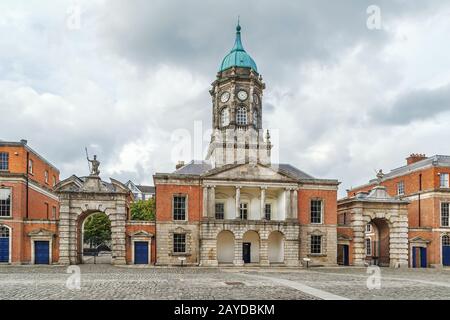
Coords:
pixel 421 180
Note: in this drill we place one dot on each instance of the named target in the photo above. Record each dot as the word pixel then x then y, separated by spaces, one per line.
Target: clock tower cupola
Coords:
pixel 237 94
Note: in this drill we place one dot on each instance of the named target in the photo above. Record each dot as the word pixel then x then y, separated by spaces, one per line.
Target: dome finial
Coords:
pixel 238 27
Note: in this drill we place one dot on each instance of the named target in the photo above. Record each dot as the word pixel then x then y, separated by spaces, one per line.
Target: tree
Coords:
pixel 97 230
pixel 143 210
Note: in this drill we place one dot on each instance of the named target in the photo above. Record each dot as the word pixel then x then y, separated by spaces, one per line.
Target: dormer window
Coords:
pixel 241 116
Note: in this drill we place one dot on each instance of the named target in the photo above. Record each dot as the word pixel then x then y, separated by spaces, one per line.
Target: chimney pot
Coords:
pixel 23 141
pixel 179 165
pixel 415 157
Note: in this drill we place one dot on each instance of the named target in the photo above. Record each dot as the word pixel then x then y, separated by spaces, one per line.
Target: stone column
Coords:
pixel 238 202
pixel 205 202
pixel 294 204
pixel 211 202
pixel 238 261
pixel 358 225
pixel 287 194
pixel 264 248
pixel 118 235
pixel 73 235
pixel 263 202
pixel 398 246
pixel 64 234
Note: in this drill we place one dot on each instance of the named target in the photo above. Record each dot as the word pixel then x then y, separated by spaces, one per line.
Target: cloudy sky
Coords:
pixel 126 77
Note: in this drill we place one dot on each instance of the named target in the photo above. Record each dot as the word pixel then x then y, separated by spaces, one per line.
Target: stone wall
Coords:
pixel 211 229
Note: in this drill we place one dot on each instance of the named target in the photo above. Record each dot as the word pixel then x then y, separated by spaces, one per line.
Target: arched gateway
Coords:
pixel 79 198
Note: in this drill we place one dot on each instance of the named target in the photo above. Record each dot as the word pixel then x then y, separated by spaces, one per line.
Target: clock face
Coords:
pixel 225 97
pixel 242 95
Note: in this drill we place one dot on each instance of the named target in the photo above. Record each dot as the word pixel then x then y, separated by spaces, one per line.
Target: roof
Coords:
pixel 377 194
pixel 194 168
pixel 434 161
pixel 23 143
pixel 146 189
pixel 238 57
pixel 199 168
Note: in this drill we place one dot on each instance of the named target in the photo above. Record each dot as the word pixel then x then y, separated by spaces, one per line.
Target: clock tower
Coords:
pixel 238 136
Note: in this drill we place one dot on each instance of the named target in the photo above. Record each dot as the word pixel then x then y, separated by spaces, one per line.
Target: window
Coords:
pixel 54 181
pixel 400 188
pixel 316 244
pixel 220 211
pixel 47 211
pixel 5 202
pixel 179 208
pixel 4 232
pixel 316 211
pixel 368 247
pixel 224 117
pixel 30 166
pixel 443 180
pixel 255 118
pixel 179 243
pixel 368 227
pixel 243 211
pixel 53 212
pixel 4 161
pixel 241 116
pixel 445 214
pixel 268 211
pixel 446 240
pixel 46 176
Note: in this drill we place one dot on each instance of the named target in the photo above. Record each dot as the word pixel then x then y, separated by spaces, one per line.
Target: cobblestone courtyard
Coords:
pixel 109 282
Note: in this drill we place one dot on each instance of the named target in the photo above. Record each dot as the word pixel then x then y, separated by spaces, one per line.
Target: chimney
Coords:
pixel 415 157
pixel 179 165
pixel 23 141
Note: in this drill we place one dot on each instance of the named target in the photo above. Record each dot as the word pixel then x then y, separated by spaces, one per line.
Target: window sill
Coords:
pixel 317 255
pixel 180 254
pixel 6 217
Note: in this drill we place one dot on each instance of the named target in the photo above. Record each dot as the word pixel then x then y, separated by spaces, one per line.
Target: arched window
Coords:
pixel 241 116
pixel 255 118
pixel 4 232
pixel 446 240
pixel 224 117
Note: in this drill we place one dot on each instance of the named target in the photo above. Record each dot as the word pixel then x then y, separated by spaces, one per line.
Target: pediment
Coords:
pixel 72 183
pixel 41 233
pixel 249 172
pixel 343 237
pixel 141 234
pixel 419 240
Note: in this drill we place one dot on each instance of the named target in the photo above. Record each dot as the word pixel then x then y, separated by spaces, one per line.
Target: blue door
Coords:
pixel 446 255
pixel 414 257
pixel 141 252
pixel 419 257
pixel 4 249
pixel 423 257
pixel 346 255
pixel 41 252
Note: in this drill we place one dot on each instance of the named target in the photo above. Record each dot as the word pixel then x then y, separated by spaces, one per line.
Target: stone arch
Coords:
pixel 276 243
pixel 389 231
pixel 79 198
pixel 81 220
pixel 225 246
pixel 252 237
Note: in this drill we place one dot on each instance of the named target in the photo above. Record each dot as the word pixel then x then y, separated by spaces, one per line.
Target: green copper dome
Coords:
pixel 238 57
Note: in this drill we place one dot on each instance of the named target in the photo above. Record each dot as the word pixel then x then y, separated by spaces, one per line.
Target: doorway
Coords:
pixel 246 252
